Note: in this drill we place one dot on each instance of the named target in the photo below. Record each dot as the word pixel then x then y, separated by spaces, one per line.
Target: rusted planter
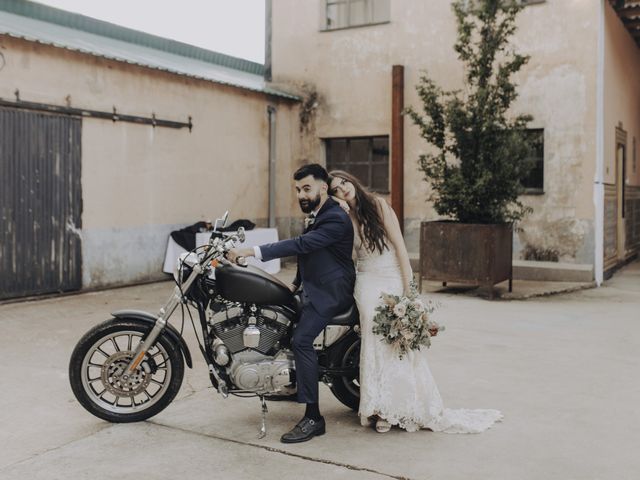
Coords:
pixel 466 253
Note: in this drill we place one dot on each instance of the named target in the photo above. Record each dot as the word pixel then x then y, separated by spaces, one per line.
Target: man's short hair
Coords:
pixel 316 170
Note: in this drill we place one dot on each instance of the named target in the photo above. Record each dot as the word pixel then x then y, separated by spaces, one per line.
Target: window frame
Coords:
pixel 370 163
pixel 324 19
pixel 537 190
pixel 530 2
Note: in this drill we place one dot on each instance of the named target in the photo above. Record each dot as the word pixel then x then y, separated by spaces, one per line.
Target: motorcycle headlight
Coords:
pixel 176 271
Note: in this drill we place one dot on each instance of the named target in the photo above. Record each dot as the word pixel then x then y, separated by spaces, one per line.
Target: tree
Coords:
pixel 481 153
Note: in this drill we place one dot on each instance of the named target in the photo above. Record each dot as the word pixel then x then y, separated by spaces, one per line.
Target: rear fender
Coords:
pixel 330 359
pixel 169 330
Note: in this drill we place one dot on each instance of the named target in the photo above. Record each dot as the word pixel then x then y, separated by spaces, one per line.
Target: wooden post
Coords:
pixel 397 143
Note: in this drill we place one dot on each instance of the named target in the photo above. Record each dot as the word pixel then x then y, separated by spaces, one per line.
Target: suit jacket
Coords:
pixel 325 266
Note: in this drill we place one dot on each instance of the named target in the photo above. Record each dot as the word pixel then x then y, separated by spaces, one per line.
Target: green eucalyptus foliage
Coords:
pixel 481 152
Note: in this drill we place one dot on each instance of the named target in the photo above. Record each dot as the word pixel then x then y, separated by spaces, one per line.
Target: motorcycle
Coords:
pixel 130 367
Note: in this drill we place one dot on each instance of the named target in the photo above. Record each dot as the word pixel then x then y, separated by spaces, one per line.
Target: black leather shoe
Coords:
pixel 305 430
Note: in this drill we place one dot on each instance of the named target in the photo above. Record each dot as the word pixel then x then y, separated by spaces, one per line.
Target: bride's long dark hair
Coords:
pixel 367 213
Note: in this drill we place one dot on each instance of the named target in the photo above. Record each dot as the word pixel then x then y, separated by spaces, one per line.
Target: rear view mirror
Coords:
pixel 221 222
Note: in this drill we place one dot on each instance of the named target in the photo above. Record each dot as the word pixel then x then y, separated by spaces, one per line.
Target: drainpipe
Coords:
pixel 271 113
pixel 397 142
pixel 267 41
pixel 598 186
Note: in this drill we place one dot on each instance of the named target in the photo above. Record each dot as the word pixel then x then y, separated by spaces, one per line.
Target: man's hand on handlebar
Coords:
pixel 235 253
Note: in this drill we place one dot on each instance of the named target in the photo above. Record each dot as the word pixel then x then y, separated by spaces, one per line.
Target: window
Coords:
pixel 530 2
pixel 367 158
pixel 473 3
pixel 354 13
pixel 534 182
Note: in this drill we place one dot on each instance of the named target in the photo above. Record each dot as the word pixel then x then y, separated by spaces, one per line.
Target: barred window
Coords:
pixel 534 182
pixel 354 13
pixel 469 3
pixel 367 158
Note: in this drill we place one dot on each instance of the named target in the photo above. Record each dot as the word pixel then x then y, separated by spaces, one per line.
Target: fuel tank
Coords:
pixel 251 285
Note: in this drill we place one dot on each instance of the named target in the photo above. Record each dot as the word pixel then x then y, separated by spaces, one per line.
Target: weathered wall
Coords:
pixel 139 182
pixel 621 109
pixel 621 95
pixel 351 71
pixel 558 87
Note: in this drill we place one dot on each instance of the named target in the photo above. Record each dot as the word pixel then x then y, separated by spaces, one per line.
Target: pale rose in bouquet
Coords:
pixel 404 321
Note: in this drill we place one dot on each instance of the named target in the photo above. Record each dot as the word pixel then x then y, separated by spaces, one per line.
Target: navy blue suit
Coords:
pixel 327 273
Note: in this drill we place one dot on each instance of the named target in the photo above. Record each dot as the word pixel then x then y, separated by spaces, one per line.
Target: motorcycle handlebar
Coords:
pixel 242 261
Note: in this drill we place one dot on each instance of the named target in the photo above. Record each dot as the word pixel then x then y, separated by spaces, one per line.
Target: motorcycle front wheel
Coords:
pixel 100 358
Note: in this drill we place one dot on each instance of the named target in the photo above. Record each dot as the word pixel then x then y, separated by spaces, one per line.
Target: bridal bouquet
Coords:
pixel 404 323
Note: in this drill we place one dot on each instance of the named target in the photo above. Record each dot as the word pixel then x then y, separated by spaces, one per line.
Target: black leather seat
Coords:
pixel 348 317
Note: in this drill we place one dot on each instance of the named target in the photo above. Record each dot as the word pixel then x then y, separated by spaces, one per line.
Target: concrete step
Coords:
pixel 538 271
pixel 552 271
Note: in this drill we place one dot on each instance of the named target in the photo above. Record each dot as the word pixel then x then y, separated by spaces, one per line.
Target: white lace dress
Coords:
pixel 401 391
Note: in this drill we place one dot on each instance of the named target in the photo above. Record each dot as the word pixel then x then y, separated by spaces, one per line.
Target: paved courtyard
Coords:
pixel 563 370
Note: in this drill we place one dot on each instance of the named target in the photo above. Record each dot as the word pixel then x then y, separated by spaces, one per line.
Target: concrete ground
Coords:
pixel 563 370
pixel 520 289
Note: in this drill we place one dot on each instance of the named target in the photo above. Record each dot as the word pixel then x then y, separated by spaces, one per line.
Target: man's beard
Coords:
pixel 309 206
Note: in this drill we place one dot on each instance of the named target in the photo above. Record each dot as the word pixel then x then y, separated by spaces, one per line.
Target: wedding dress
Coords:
pixel 403 392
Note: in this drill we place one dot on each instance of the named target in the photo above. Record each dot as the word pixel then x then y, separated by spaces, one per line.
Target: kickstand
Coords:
pixel 263 425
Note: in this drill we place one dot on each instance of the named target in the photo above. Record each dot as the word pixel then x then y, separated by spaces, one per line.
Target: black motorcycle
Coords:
pixel 131 366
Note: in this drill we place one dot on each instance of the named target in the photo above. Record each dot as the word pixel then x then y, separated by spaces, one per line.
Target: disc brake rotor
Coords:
pixel 112 376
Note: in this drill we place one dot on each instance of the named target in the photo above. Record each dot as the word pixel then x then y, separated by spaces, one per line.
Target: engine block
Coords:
pixel 253 372
pixel 229 326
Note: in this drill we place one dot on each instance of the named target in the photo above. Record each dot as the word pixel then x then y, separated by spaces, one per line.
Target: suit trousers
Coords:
pixel 309 326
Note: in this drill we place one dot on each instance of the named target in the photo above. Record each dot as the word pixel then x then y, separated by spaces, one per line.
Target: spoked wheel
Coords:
pixel 96 372
pixel 347 388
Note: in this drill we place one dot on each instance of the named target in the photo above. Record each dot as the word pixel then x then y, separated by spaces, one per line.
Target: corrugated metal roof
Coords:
pixel 78 33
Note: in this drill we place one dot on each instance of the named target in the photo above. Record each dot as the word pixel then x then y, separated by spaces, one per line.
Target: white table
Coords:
pixel 257 236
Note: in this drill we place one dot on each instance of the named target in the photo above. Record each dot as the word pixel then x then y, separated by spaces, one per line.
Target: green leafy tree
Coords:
pixel 481 154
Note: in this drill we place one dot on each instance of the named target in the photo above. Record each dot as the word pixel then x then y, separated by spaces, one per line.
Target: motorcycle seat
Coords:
pixel 349 317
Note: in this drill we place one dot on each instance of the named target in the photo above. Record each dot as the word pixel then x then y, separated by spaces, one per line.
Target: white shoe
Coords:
pixel 382 426
pixel 369 421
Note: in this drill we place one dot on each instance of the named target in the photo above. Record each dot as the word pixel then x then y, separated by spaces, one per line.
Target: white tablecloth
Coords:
pixel 257 236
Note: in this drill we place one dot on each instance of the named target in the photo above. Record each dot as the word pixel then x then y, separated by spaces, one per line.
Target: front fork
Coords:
pixel 161 322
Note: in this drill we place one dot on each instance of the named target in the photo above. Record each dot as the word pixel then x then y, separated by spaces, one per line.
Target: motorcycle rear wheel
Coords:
pixel 99 359
pixel 347 389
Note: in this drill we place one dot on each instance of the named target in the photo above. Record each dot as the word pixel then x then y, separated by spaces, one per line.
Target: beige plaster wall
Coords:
pixel 621 95
pixel 351 71
pixel 141 182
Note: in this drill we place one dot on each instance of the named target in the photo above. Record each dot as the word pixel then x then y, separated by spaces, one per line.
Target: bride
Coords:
pixel 393 391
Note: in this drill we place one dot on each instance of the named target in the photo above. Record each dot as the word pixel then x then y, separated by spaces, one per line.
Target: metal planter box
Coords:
pixel 467 253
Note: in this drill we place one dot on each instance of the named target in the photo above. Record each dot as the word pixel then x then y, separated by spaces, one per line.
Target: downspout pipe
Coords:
pixel 271 114
pixel 267 40
pixel 598 184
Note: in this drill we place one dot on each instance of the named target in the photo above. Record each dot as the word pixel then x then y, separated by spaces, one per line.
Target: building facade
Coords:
pixel 353 60
pixel 111 138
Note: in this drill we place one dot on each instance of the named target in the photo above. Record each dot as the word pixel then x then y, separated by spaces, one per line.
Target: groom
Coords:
pixel 326 271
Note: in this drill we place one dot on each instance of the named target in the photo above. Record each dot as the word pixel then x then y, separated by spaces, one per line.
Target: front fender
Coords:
pixel 169 330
